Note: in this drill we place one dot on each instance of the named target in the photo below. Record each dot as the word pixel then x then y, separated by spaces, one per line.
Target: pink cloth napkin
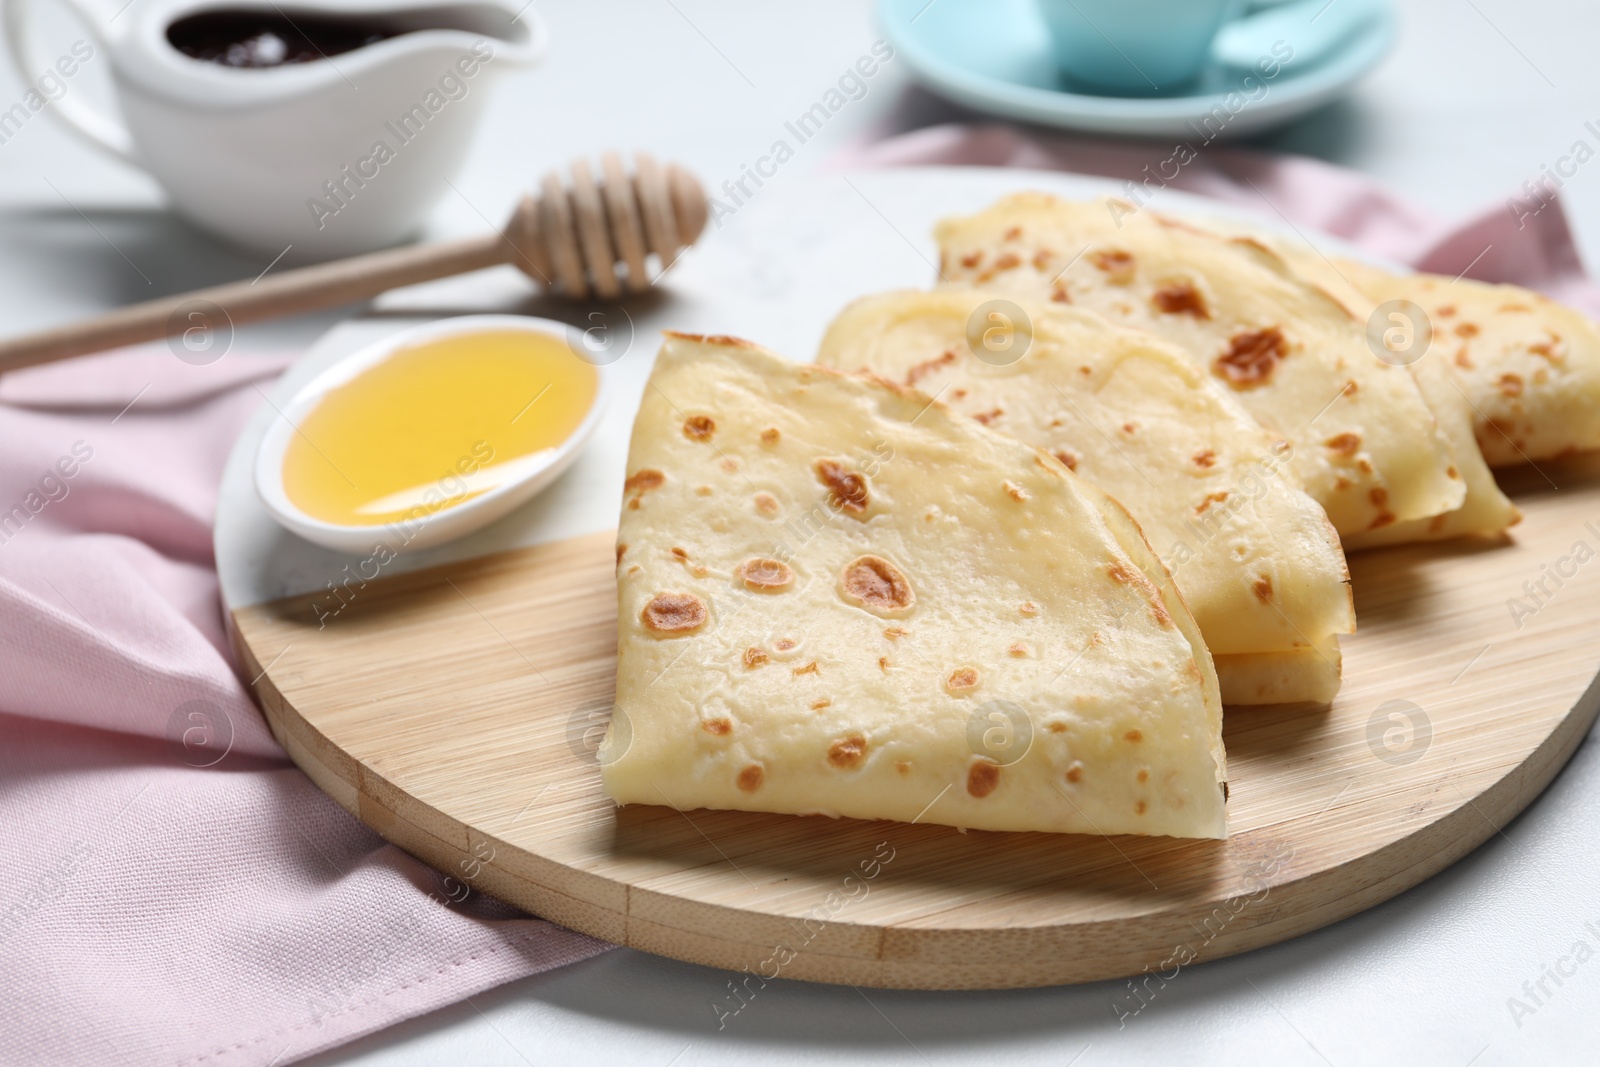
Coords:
pixel 172 889
pixel 163 903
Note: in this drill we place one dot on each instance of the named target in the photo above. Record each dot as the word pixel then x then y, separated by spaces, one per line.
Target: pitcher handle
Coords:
pixel 102 131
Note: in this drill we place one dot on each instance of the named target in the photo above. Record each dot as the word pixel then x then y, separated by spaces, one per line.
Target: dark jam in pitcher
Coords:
pixel 263 39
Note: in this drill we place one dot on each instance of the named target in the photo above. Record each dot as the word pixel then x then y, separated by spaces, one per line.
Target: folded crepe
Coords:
pixel 1367 447
pixel 1255 557
pixel 1486 511
pixel 839 598
pixel 1528 367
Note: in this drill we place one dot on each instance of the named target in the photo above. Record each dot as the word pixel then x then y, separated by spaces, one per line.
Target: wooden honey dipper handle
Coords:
pixel 573 241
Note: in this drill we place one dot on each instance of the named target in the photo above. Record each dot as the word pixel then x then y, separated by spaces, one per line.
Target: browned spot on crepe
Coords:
pixel 1068 459
pixel 1380 499
pixel 1547 349
pixel 928 366
pixel 873 583
pixel 674 613
pixel 982 778
pixel 1252 357
pixel 1343 444
pixel 1181 298
pixel 848 752
pixel 847 489
pixel 641 483
pixel 764 575
pixel 1116 264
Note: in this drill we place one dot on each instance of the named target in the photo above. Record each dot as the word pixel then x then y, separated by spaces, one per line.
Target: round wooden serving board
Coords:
pixel 454 703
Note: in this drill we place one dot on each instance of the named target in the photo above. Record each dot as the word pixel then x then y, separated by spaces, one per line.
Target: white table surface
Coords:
pixel 1478 96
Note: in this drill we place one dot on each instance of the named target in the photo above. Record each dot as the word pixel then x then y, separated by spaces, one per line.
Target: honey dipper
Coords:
pixel 589 239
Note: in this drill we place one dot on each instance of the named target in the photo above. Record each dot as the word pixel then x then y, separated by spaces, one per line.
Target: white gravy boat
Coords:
pixel 333 156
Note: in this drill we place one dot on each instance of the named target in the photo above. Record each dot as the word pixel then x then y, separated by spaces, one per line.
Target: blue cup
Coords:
pixel 1135 47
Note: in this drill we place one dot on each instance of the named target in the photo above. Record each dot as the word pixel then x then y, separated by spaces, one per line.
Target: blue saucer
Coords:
pixel 995 56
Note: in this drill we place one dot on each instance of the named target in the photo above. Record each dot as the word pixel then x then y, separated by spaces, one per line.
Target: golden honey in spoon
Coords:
pixel 437 424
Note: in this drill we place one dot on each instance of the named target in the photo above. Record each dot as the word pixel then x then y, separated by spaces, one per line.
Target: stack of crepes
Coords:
pixel 1000 556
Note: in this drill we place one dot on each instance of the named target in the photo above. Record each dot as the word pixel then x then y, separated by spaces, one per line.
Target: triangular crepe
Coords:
pixel 1254 556
pixel 1528 366
pixel 1366 446
pixel 1486 511
pixel 839 598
